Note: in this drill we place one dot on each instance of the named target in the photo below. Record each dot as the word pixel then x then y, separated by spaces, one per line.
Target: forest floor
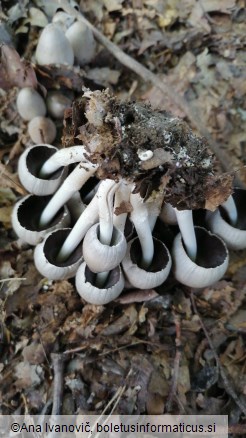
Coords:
pixel 169 350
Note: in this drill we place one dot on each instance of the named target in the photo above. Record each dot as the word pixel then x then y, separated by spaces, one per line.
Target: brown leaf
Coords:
pixel 14 71
pixel 137 296
pixel 218 192
pixel 124 207
pixel 10 180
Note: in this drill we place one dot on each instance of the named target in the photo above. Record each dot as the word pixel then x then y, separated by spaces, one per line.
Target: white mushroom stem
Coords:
pixel 186 226
pixel 72 183
pixel 140 219
pixel 154 208
pixel 231 209
pixel 88 218
pixel 63 157
pixel 121 196
pixel 105 196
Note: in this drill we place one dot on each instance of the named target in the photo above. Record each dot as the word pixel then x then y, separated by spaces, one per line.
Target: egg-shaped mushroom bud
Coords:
pixel 42 130
pixel 211 260
pixel 229 220
pixel 26 217
pixel 155 274
pixel 56 103
pixel 45 256
pixel 107 256
pixel 53 47
pixel 82 41
pixel 85 285
pixel 30 104
pixel 29 170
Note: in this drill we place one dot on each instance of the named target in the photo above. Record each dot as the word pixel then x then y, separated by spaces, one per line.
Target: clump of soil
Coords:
pixel 152 148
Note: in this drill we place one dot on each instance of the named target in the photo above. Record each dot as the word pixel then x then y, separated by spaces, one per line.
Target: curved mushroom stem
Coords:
pixel 63 157
pixel 231 209
pixel 186 226
pixel 121 196
pixel 140 219
pixel 88 218
pixel 105 196
pixel 154 208
pixel 72 183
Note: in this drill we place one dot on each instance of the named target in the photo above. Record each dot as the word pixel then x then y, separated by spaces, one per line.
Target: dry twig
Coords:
pixel 227 384
pixel 177 359
pixel 58 368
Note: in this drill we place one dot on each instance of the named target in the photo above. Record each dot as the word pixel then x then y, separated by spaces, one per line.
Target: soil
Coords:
pixel 168 350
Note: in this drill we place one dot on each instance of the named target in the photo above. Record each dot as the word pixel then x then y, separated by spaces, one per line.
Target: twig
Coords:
pixel 114 401
pixel 12 279
pixel 8 180
pixel 162 84
pixel 228 387
pixel 177 359
pixel 58 368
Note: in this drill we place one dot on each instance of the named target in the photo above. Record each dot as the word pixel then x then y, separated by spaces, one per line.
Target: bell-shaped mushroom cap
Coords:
pixel 82 41
pixel 29 166
pixel 233 235
pixel 56 103
pixel 84 281
pixel 30 104
pixel 26 215
pixel 42 130
pixel 107 256
pixel 45 256
pixel 158 270
pixel 211 261
pixel 53 47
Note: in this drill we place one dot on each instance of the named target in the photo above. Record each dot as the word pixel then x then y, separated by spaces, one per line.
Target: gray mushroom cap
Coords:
pixel 45 256
pixel 84 281
pixel 211 261
pixel 29 166
pixel 100 257
pixel 158 270
pixel 25 218
pixel 233 235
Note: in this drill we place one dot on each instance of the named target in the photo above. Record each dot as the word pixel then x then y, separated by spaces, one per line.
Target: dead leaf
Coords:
pixel 28 375
pixel 5 216
pixel 113 5
pixel 137 296
pixel 104 75
pixel 218 191
pixel 14 71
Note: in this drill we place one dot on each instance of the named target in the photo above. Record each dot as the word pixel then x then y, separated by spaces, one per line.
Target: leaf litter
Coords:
pixel 200 47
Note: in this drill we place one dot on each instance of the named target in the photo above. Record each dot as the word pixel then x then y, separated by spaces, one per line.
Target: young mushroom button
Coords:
pixel 53 47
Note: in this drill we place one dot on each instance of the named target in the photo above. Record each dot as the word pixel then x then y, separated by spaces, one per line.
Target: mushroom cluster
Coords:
pixel 93 204
pixel 63 41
